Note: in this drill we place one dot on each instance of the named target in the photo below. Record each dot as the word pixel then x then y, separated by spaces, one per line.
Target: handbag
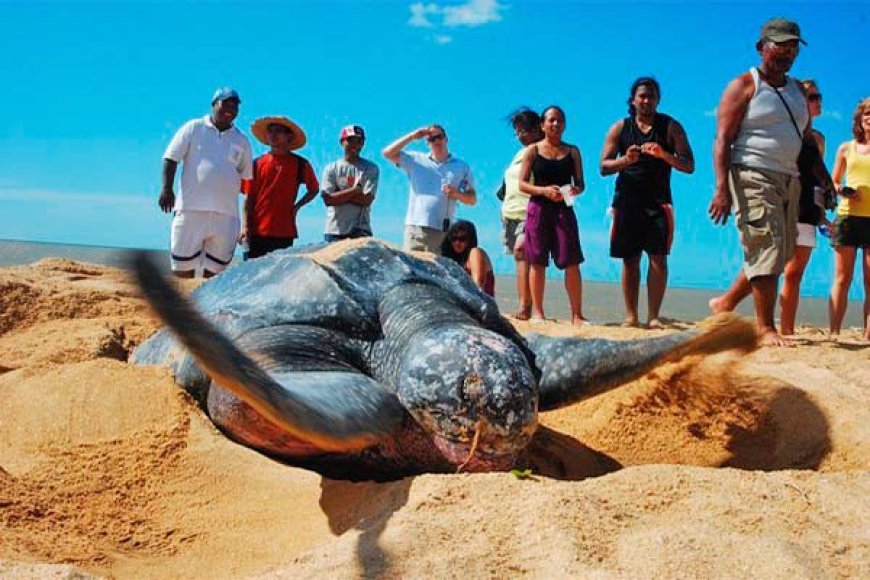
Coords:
pixel 809 160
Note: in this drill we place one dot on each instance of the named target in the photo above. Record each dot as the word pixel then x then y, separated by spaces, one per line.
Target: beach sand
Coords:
pixel 726 467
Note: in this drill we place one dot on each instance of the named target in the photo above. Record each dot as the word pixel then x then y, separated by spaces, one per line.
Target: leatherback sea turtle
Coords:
pixel 358 352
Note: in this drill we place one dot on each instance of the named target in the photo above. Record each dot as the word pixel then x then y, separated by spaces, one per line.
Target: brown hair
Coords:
pixel 857 131
pixel 806 83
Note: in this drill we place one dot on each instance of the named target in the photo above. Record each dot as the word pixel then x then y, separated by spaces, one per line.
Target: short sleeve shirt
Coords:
pixel 342 220
pixel 427 204
pixel 213 165
pixel 271 203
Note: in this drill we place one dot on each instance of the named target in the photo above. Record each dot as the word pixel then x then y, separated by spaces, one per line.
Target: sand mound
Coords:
pixel 109 469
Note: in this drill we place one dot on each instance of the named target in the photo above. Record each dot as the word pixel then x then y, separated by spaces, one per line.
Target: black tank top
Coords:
pixel 552 171
pixel 649 180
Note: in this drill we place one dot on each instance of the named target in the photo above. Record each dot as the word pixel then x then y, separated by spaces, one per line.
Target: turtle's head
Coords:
pixel 473 391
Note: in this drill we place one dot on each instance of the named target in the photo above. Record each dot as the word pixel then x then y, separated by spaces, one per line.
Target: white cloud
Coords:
pixel 710 113
pixel 420 14
pixel 471 13
pixel 835 115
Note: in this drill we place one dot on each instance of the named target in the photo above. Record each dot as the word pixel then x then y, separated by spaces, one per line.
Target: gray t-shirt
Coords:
pixel 349 218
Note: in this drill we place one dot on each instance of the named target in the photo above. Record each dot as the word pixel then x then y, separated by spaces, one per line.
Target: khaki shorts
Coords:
pixel 766 212
pixel 423 239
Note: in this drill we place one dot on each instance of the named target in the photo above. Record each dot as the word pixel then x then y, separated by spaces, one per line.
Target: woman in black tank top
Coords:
pixel 551 226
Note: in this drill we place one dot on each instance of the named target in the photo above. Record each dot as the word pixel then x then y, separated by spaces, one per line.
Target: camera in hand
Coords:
pixel 847 191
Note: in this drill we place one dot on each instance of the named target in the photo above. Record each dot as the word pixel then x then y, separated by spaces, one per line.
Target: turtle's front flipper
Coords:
pixel 574 368
pixel 332 415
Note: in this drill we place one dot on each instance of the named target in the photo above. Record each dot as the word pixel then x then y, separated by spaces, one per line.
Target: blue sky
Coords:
pixel 93 91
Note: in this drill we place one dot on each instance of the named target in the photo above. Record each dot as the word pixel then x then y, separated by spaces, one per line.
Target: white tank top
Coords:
pixel 767 138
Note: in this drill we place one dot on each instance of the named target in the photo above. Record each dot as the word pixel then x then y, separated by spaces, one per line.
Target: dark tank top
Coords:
pixel 552 171
pixel 649 180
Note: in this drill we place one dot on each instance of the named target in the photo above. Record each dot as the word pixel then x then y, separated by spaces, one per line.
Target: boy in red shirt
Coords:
pixel 270 202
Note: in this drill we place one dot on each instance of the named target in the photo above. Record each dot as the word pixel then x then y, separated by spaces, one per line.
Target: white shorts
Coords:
pixel 203 238
pixel 806 235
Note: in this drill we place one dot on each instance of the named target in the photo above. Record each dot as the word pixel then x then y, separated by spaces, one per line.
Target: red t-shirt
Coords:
pixel 272 194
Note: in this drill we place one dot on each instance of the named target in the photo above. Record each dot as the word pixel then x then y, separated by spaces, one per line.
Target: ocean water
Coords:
pixel 602 301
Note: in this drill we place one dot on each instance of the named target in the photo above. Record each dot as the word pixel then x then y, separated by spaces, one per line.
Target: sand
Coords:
pixel 726 467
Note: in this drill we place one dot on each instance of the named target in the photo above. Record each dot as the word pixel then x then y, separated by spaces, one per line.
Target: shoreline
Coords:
pixel 602 301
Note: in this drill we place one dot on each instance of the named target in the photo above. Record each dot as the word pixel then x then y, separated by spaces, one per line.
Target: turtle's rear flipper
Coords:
pixel 332 416
pixel 574 369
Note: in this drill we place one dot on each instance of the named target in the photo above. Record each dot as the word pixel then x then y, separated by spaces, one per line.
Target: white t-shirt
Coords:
pixel 427 204
pixel 214 164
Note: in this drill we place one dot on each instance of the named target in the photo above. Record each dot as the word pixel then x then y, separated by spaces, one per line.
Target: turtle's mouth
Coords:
pixel 471 457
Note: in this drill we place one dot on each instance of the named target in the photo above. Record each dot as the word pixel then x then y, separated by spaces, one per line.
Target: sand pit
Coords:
pixel 725 467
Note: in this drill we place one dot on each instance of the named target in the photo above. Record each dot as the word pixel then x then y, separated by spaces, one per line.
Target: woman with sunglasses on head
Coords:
pixel 810 216
pixel 851 229
pixel 460 245
pixel 551 226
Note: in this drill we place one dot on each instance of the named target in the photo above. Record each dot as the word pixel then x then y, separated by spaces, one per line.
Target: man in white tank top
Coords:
pixel 762 121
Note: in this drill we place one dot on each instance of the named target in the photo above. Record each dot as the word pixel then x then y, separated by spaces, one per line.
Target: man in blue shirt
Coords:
pixel 437 181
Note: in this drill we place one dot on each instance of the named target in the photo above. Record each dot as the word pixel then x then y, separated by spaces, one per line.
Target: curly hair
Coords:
pixel 857 130
pixel 525 119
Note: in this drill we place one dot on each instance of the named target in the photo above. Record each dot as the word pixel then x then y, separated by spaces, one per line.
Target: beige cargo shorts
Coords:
pixel 766 212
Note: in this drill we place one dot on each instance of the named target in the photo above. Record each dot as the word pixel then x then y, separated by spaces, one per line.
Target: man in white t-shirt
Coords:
pixel 438 180
pixel 215 157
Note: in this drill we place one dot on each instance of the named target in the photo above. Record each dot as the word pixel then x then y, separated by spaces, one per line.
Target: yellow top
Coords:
pixel 857 177
pixel 515 201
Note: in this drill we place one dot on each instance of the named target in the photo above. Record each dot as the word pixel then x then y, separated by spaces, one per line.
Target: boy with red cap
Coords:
pixel 270 203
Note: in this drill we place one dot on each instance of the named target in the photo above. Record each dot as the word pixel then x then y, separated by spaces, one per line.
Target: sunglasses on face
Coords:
pixel 434 138
pixel 815 97
pixel 461 239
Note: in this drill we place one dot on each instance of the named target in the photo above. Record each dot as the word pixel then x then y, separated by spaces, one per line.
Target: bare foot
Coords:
pixel 580 321
pixel 524 313
pixel 630 323
pixel 786 331
pixel 772 338
pixel 718 305
pixel 655 324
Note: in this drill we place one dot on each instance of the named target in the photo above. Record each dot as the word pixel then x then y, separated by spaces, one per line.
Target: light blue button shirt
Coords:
pixel 427 204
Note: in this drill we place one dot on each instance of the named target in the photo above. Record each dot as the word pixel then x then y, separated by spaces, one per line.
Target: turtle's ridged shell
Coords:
pixel 337 286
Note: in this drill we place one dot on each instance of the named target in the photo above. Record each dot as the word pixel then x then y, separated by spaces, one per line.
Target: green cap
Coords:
pixel 781 30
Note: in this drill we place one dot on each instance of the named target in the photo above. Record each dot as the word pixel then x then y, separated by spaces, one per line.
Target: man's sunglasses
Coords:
pixel 433 138
pixel 815 97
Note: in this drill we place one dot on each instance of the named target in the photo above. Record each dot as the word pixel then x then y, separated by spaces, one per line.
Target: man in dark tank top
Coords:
pixel 642 149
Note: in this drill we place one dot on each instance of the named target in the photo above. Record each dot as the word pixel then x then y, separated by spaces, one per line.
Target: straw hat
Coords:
pixel 260 130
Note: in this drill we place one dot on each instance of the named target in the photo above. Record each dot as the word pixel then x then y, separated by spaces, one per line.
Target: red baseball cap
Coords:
pixel 352 131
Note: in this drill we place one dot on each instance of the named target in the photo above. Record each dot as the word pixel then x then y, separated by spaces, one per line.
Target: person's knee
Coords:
pixel 631 264
pixel 519 253
pixel 658 263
